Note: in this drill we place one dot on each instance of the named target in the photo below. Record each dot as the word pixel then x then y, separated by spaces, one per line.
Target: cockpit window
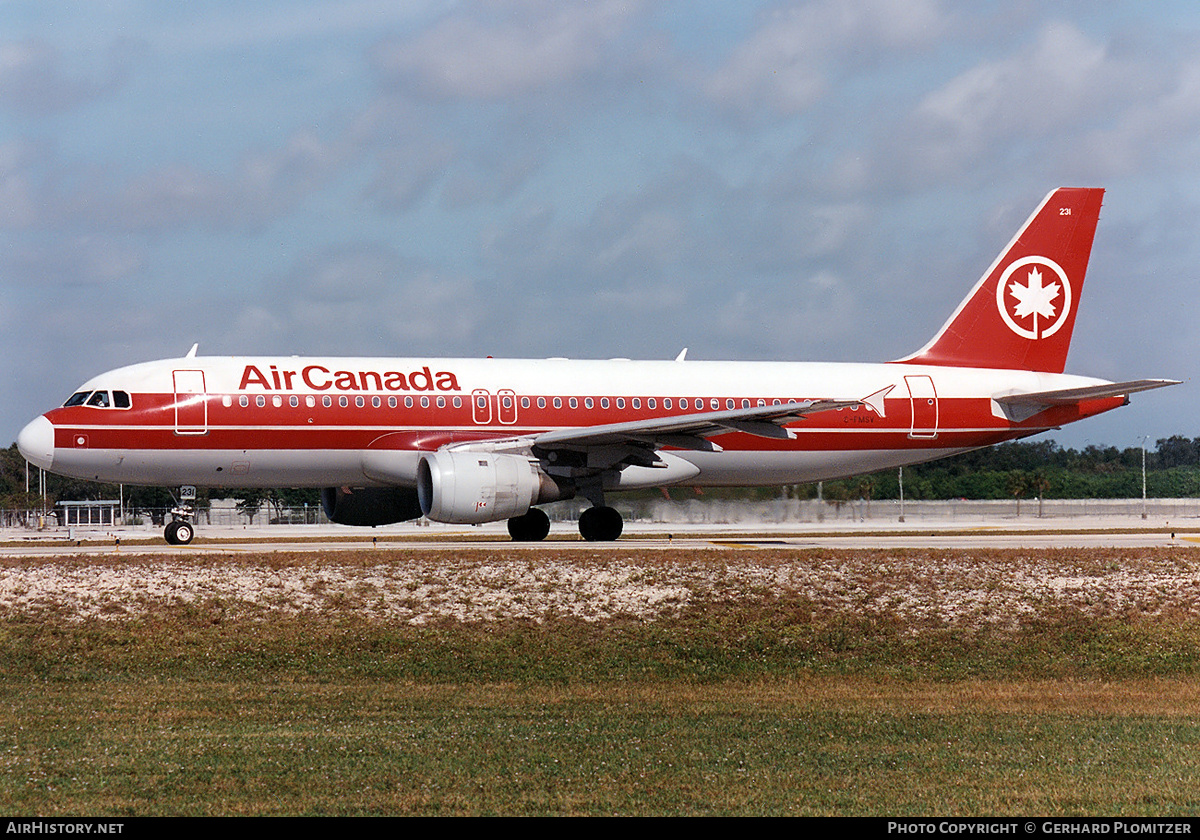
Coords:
pixel 100 399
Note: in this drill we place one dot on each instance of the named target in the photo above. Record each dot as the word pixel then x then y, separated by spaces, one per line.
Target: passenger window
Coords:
pixel 391 402
pixel 310 401
pixel 650 403
pixel 637 403
pixel 441 402
pixel 458 402
pixel 359 402
pixel 243 401
pixel 277 401
pixel 343 402
pixel 424 402
pixel 558 402
pixel 225 400
pixel 587 402
pixel 376 402
pixel 604 402
pixel 408 402
pixel 666 402
pixel 327 401
pixel 574 403
pixel 294 401
pixel 620 402
pixel 260 401
pixel 541 402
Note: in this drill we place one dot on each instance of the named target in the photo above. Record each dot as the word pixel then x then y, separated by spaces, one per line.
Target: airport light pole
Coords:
pixel 1144 475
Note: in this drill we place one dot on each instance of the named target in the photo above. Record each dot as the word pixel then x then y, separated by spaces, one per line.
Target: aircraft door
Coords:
pixel 481 407
pixel 191 403
pixel 506 406
pixel 923 398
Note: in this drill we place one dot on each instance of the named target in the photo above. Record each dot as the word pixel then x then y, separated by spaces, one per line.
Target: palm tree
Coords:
pixel 1017 486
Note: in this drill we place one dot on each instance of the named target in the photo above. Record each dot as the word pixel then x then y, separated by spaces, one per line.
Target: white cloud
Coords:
pixel 1159 128
pixel 263 187
pixel 367 299
pixel 84 260
pixel 507 47
pixel 1043 97
pixel 32 80
pixel 788 64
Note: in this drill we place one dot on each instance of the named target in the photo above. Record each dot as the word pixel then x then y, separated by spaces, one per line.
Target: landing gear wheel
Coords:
pixel 179 532
pixel 533 526
pixel 600 524
pixel 184 533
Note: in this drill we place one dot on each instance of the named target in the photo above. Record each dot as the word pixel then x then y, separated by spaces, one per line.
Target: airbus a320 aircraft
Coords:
pixel 483 440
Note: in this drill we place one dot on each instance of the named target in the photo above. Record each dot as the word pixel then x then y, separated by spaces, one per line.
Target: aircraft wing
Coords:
pixel 692 431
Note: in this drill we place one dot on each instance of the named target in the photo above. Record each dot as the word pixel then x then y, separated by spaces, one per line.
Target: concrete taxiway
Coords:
pixel 1094 532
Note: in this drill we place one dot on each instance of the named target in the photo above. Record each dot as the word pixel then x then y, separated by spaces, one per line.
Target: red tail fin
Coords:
pixel 1021 312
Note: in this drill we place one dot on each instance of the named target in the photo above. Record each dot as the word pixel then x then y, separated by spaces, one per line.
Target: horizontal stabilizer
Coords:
pixel 1020 407
pixel 1069 396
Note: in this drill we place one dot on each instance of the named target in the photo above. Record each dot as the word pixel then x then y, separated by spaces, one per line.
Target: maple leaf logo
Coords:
pixel 1033 298
pixel 1044 297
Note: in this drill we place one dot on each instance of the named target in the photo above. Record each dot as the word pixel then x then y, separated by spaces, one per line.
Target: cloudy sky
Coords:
pixel 818 180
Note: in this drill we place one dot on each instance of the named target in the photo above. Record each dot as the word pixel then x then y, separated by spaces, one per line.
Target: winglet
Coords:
pixel 1021 313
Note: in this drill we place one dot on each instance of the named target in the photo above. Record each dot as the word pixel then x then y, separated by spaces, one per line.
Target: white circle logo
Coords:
pixel 1034 297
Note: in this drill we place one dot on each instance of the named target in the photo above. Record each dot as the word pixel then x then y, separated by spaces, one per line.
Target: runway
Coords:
pixel 1101 533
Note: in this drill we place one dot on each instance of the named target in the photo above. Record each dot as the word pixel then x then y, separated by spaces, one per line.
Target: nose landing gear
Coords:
pixel 180 530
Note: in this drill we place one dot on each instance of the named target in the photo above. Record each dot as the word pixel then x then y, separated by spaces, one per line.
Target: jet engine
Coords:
pixel 466 487
pixel 370 505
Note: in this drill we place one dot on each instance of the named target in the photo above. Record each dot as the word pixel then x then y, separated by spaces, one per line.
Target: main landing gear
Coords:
pixel 533 526
pixel 600 524
pixel 180 530
pixel 596 524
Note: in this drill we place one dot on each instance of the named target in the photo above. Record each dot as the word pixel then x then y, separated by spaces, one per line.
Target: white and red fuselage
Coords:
pixel 267 422
pixel 477 440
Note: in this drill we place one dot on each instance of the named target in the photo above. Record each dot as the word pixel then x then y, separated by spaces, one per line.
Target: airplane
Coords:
pixel 483 440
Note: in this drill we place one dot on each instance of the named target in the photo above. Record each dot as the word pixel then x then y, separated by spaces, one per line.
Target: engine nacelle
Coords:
pixel 467 487
pixel 370 505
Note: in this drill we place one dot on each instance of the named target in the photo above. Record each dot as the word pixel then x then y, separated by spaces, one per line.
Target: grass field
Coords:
pixel 576 682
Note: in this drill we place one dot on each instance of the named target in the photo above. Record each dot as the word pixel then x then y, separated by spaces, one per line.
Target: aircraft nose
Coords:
pixel 36 443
